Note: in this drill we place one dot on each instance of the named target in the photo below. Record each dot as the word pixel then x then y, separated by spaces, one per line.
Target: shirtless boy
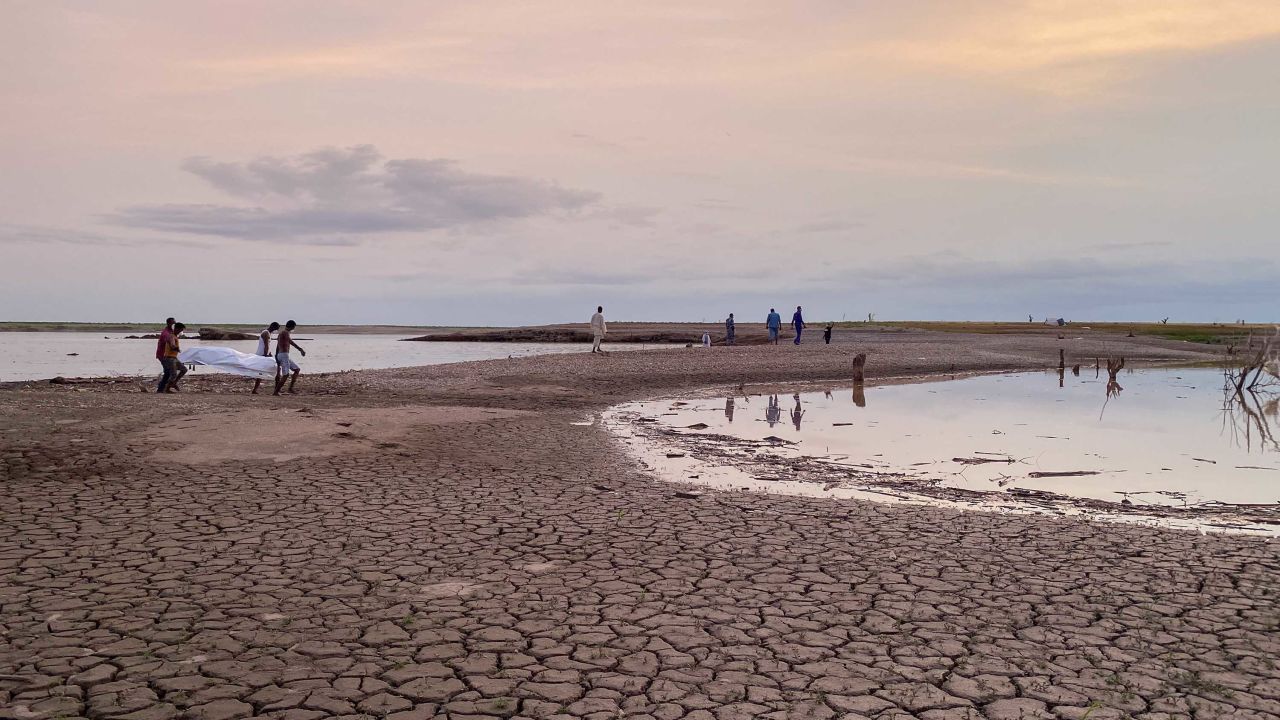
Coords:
pixel 284 366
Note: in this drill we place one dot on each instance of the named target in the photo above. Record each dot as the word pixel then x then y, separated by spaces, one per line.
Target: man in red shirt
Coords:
pixel 166 336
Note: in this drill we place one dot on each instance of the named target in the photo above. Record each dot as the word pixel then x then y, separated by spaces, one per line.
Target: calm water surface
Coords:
pixel 1167 437
pixel 42 355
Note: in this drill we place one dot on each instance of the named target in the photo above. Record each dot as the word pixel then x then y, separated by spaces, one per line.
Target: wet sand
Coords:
pixel 434 560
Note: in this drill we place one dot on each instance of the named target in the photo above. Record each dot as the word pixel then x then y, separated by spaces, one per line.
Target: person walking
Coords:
pixel 826 334
pixel 774 324
pixel 169 362
pixel 285 365
pixel 162 344
pixel 598 329
pixel 797 321
pixel 264 349
pixel 729 335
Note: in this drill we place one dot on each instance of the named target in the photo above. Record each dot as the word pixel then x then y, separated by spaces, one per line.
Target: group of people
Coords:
pixel 773 323
pixel 168 348
pixel 286 368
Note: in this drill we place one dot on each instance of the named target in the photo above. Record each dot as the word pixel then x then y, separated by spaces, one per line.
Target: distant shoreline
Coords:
pixel 749 333
pixel 252 328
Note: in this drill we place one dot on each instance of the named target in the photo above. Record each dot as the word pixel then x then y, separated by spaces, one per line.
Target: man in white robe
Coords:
pixel 598 329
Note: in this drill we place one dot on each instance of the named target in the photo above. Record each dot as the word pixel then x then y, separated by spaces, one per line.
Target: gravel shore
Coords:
pixel 449 542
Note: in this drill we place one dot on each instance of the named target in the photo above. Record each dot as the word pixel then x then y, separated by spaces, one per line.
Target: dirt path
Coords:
pixel 516 565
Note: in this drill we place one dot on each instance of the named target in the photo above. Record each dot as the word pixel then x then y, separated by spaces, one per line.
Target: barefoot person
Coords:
pixel 598 329
pixel 264 349
pixel 284 365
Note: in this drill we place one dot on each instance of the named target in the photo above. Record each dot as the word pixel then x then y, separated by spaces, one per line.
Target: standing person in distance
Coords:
pixel 826 334
pixel 264 349
pixel 598 329
pixel 774 323
pixel 284 365
pixel 729 330
pixel 797 321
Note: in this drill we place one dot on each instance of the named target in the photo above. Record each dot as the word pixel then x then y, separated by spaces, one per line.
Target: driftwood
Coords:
pixel 859 363
pixel 981 461
pixel 1068 473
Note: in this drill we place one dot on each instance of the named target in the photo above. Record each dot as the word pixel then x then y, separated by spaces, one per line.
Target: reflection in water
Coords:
pixel 773 413
pixel 1114 367
pixel 728 409
pixel 1247 410
pixel 1170 437
pixel 796 413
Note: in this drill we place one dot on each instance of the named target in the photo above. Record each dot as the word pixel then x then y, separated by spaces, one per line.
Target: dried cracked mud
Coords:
pixel 517 565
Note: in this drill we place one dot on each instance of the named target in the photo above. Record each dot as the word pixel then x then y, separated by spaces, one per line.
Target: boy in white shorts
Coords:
pixel 284 365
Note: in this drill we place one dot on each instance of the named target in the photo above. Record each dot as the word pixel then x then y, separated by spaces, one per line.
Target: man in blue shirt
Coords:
pixel 774 323
pixel 797 321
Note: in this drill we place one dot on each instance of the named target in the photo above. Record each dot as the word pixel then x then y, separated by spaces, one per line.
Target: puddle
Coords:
pixel 1167 444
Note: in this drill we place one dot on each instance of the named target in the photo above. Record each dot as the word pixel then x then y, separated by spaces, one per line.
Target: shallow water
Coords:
pixel 42 355
pixel 1166 438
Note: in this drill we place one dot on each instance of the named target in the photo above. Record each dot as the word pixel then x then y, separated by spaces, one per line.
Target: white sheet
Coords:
pixel 225 359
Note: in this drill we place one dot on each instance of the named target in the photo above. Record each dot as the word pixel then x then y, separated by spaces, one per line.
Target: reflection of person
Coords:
pixel 774 323
pixel 728 409
pixel 598 329
pixel 796 413
pixel 773 413
pixel 728 330
pixel 797 322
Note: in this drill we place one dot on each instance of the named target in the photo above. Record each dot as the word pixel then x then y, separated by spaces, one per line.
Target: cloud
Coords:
pixel 47 234
pixel 335 195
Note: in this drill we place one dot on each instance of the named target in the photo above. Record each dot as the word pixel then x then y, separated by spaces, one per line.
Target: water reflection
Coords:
pixel 859 395
pixel 773 413
pixel 1167 437
pixel 1248 411
pixel 797 413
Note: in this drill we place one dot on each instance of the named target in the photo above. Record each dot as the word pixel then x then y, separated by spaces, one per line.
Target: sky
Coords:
pixel 502 163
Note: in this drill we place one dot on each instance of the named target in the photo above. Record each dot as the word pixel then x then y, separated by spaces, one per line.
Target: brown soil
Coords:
pixel 521 566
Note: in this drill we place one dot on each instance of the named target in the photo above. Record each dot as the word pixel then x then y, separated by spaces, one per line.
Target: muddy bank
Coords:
pixel 520 565
pixel 641 333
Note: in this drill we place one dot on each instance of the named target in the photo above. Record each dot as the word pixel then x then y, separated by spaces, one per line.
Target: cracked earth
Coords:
pixel 514 564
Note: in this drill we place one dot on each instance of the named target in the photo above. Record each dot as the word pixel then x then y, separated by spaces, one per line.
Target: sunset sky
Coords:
pixel 522 162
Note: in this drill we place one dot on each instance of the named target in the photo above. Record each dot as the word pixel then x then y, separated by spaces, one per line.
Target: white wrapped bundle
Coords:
pixel 225 359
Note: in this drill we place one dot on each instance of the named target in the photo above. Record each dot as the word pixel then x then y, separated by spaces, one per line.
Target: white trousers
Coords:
pixel 596 345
